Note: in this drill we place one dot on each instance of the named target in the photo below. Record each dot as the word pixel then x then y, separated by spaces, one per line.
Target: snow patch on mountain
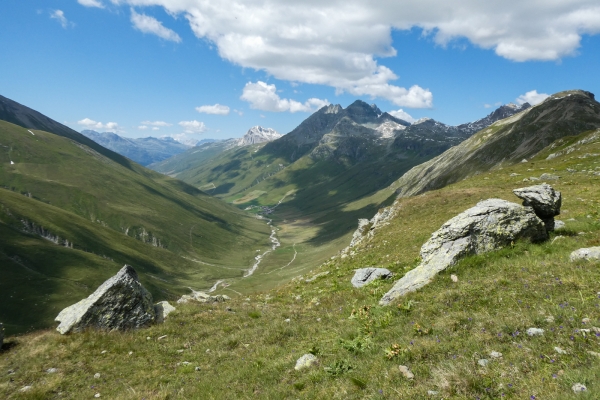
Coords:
pixel 258 134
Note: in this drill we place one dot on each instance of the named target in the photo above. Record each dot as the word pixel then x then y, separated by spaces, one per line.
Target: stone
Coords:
pixel 549 177
pixel 454 278
pixel 202 297
pixel 495 354
pixel 120 303
pixel 432 393
pixel 483 362
pixel 25 389
pixel 578 388
pixel 590 253
pixel 306 361
pixel 558 224
pixel 558 350
pixel 535 331
pixel 162 309
pixel 51 370
pixel 545 201
pixel 406 372
pixel 364 276
pixel 490 225
pixel 97 375
pixel 1 335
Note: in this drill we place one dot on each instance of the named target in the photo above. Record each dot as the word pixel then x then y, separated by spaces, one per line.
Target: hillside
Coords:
pixel 143 151
pixel 247 348
pixel 70 216
pixel 506 142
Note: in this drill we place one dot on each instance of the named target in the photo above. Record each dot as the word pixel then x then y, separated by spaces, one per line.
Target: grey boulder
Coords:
pixel 488 226
pixel 364 276
pixel 202 297
pixel 590 253
pixel 162 309
pixel 544 200
pixel 120 303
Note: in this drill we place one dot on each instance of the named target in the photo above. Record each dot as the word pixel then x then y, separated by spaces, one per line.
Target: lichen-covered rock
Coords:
pixel 366 228
pixel 1 335
pixel 488 226
pixel 364 276
pixel 306 361
pixel 119 303
pixel 590 253
pixel 202 297
pixel 162 309
pixel 544 200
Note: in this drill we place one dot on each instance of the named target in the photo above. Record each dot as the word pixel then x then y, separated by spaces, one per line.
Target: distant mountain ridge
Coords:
pixel 144 151
pixel 258 134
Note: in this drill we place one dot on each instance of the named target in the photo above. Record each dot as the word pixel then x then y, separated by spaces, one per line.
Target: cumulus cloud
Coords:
pixel 532 97
pixel 193 126
pixel 59 15
pixel 403 115
pixel 344 43
pixel 142 127
pixel 263 96
pixel 91 3
pixel 216 109
pixel 147 24
pixel 91 124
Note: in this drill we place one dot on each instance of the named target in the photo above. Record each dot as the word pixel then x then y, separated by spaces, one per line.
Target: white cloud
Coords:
pixel 91 124
pixel 193 126
pixel 532 97
pixel 263 96
pixel 155 128
pixel 342 43
pixel 147 24
pixel 159 124
pixel 142 127
pixel 402 115
pixel 487 106
pixel 59 15
pixel 91 3
pixel 216 109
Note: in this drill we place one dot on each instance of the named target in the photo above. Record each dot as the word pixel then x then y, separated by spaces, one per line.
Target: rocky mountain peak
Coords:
pixel 258 134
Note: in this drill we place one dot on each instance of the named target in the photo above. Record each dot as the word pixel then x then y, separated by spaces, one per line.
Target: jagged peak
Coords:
pixel 421 120
pixel 332 109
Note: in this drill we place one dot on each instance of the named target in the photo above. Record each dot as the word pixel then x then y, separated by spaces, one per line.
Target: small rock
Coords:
pixel 406 372
pixel 549 177
pixel 197 369
pixel 515 174
pixel 180 351
pixel 524 160
pixel 161 337
pixel 208 350
pixel 586 321
pixel 148 338
pixel 25 389
pixel 535 331
pixel 130 353
pixel 306 361
pixel 593 353
pixel 578 387
pixel 558 224
pixel 533 178
pixel 97 375
pixel 103 352
pixel 287 320
pixel 52 370
pixel 591 253
pixel 454 278
pixel 365 276
pixel 483 362
pixel 558 350
pixel 162 310
pixel 495 354
pixel 318 319
pixel 550 319
pixel 432 393
pixel 97 395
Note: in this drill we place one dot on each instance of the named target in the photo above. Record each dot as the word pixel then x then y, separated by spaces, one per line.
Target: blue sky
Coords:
pixel 214 69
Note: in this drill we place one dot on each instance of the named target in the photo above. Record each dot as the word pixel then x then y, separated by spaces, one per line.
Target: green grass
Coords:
pixel 112 215
pixel 440 332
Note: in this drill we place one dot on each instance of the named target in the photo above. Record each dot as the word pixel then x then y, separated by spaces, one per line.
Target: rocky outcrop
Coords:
pixel 162 309
pixel 202 297
pixel 488 226
pixel 365 276
pixel 120 303
pixel 367 228
pixel 544 200
pixel 591 253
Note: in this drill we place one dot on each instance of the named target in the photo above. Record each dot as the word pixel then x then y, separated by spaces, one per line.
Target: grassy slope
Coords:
pixel 441 331
pixel 107 212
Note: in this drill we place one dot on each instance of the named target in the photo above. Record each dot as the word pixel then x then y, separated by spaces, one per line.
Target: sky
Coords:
pixel 212 69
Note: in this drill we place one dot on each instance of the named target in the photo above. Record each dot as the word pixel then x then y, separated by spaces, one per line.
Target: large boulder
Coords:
pixel 544 200
pixel 119 303
pixel 364 276
pixel 590 253
pixel 488 226
pixel 162 309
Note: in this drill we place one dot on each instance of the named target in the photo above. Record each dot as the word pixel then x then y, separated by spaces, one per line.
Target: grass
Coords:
pixel 247 349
